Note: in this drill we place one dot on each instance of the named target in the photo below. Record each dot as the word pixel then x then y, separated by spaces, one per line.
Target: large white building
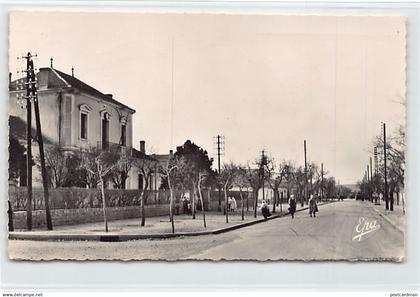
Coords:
pixel 76 116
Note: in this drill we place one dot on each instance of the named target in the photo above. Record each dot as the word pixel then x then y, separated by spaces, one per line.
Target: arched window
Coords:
pixel 105 130
pixel 84 121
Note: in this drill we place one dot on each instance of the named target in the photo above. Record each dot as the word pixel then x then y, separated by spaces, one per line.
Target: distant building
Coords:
pixel 269 194
pixel 137 179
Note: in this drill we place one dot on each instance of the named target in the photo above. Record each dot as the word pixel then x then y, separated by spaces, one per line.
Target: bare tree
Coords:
pixel 276 173
pixel 169 172
pixel 241 182
pixel 55 160
pixel 100 164
pixel 289 177
pixel 201 178
pixel 299 181
pixel 146 165
pixel 226 179
pixel 255 181
pixel 195 161
pixel 396 163
pixel 120 172
pixel 314 177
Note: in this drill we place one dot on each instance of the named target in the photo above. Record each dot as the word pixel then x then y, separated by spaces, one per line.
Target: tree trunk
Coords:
pixel 226 204
pixel 302 198
pixel 242 203
pixel 281 201
pixel 103 203
pixel 171 202
pixel 255 202
pixel 142 209
pixel 202 203
pixel 391 200
pixel 193 202
pixel 171 210
pixel 209 198
pixel 275 199
pixel 247 200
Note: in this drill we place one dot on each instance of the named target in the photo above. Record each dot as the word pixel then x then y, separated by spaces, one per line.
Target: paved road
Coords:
pixel 326 237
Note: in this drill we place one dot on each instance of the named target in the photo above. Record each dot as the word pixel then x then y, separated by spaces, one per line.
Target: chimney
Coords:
pixel 10 79
pixel 171 153
pixel 143 146
pixel 109 95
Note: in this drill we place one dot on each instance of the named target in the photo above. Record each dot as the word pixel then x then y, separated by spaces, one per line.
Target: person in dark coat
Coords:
pixel 313 207
pixel 184 205
pixel 264 210
pixel 292 206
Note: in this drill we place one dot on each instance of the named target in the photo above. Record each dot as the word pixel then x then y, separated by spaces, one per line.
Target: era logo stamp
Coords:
pixel 364 227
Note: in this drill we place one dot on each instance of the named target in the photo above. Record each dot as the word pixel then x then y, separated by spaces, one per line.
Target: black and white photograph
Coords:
pixel 205 136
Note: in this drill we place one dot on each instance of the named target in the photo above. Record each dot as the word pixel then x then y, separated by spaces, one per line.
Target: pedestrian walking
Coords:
pixel 265 211
pixel 313 207
pixel 292 206
pixel 184 205
pixel 233 204
pixel 189 211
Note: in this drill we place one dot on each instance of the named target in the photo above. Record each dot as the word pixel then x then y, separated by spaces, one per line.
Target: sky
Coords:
pixel 264 82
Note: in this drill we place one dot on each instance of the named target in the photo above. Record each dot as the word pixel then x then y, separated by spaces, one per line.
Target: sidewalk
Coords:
pixel 156 227
pixel 395 218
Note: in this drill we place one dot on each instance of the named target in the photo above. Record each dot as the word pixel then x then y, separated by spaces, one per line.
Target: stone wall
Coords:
pixel 62 217
pixel 71 206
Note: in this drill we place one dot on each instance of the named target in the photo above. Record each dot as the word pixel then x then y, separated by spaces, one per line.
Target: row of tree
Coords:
pixel 372 186
pixel 189 169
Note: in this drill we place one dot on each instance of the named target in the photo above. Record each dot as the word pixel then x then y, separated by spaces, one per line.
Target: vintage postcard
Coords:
pixel 164 136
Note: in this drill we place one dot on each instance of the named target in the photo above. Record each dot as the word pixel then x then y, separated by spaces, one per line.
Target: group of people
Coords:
pixel 313 206
pixel 232 204
pixel 265 211
pixel 186 206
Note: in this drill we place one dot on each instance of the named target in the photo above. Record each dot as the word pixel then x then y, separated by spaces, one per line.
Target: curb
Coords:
pixel 126 237
pixel 389 221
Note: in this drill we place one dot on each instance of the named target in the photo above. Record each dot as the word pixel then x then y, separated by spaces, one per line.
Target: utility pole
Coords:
pixel 41 153
pixel 220 151
pixel 263 163
pixel 368 182
pixel 371 180
pixel 306 173
pixel 385 173
pixel 28 58
pixel 322 181
pixel 32 96
pixel 375 156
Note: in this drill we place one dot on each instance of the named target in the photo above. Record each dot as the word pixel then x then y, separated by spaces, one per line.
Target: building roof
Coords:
pixel 162 158
pixel 140 155
pixel 49 78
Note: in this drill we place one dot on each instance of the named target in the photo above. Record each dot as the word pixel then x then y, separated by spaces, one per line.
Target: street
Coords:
pixel 344 230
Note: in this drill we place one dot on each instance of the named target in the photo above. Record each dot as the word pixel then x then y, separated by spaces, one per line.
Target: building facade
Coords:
pixel 74 115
